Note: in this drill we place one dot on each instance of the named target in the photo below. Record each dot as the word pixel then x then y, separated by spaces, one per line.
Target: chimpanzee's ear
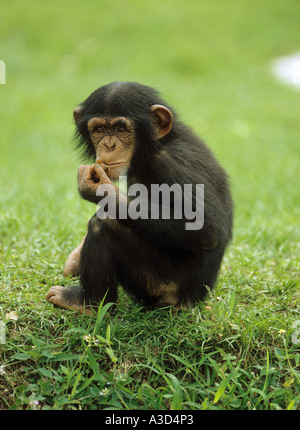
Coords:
pixel 163 120
pixel 77 113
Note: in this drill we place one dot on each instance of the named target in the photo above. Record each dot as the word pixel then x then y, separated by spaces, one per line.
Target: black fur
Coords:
pixel 139 253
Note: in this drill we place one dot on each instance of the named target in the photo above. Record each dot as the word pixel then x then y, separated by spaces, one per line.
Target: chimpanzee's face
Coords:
pixel 114 142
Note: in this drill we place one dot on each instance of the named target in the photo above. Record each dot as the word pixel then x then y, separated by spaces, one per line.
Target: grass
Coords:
pixel 238 349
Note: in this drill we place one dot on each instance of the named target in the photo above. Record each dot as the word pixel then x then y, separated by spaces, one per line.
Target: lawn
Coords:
pixel 211 60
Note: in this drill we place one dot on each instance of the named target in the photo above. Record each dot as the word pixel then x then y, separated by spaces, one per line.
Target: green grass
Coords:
pixel 211 60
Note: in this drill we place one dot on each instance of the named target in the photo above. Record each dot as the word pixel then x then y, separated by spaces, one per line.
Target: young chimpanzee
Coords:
pixel 128 130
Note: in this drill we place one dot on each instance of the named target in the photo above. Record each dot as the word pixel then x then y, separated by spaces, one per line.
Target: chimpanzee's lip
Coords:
pixel 109 166
pixel 114 164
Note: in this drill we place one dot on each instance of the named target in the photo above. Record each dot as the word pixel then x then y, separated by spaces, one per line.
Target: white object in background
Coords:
pixel 287 69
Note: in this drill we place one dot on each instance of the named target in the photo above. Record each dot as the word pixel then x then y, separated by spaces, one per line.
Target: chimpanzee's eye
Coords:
pixel 100 130
pixel 121 129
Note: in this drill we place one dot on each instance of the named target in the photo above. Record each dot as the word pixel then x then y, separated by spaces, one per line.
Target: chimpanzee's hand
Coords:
pixel 89 179
pixel 102 175
pixel 88 182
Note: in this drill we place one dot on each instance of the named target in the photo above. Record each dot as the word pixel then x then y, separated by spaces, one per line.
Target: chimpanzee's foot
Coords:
pixel 61 296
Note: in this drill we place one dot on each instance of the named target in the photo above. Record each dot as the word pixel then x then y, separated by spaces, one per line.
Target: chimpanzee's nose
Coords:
pixel 109 144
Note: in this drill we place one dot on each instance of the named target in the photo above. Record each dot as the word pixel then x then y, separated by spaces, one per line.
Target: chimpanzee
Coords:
pixel 129 131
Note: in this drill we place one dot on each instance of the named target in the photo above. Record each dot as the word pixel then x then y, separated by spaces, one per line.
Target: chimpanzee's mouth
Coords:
pixel 109 165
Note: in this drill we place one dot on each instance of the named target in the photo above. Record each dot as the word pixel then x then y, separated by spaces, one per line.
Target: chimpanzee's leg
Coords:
pixel 72 265
pixel 98 273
